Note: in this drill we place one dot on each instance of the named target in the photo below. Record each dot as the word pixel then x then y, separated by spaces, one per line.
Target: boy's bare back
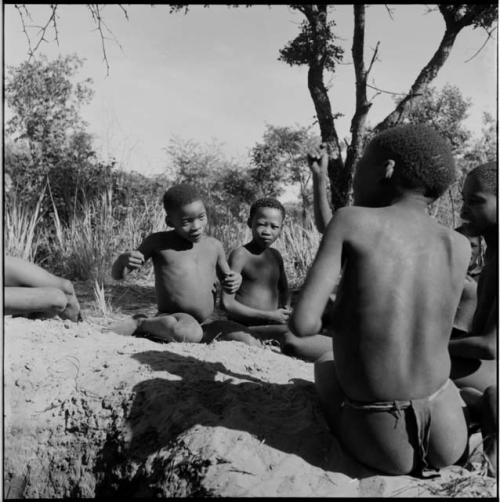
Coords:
pixel 386 386
pixel 185 273
pixel 400 289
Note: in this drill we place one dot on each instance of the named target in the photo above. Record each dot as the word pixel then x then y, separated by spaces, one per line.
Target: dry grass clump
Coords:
pixel 85 247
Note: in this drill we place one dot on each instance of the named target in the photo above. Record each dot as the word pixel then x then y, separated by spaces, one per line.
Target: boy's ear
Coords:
pixel 389 169
pixel 249 222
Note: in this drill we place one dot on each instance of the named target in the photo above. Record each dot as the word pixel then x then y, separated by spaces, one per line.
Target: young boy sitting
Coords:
pixel 31 290
pixel 474 352
pixel 186 264
pixel 387 394
pixel 263 302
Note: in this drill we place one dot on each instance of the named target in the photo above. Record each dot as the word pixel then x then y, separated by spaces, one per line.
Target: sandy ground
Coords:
pixel 91 413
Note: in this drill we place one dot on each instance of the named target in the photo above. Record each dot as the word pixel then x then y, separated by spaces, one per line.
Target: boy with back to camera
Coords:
pixel 263 301
pixel 186 264
pixel 473 351
pixel 387 395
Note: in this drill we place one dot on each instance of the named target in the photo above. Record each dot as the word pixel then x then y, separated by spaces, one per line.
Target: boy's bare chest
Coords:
pixel 262 268
pixel 199 257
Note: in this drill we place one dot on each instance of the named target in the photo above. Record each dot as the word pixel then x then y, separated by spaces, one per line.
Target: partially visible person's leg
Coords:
pixel 328 388
pixel 19 300
pixel 22 274
pixel 226 330
pixel 309 348
pixel 489 427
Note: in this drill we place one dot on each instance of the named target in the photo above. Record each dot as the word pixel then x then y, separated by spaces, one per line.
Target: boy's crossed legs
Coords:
pixel 181 327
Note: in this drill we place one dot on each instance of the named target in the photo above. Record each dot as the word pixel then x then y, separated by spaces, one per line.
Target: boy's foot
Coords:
pixel 127 327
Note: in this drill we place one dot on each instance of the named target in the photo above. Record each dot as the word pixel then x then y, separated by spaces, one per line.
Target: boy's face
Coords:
pixel 479 210
pixel 189 221
pixel 369 189
pixel 266 225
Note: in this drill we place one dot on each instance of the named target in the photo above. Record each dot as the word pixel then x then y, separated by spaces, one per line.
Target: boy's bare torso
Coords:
pixel 261 274
pixel 185 273
pixel 395 304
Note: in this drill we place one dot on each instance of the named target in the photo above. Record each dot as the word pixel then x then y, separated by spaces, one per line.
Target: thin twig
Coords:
pixel 389 11
pixel 374 57
pixel 482 46
pixel 43 29
pixel 390 92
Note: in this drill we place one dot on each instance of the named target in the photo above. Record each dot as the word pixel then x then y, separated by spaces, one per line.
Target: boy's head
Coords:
pixel 185 211
pixel 479 210
pixel 404 158
pixel 266 220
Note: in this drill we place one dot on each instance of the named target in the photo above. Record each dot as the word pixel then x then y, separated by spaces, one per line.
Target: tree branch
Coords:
pixel 482 46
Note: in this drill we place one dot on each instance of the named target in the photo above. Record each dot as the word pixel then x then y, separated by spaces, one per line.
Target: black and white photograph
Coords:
pixel 250 250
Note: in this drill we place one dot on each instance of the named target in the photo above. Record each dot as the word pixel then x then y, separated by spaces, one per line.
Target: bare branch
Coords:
pixel 489 33
pixel 380 91
pixel 374 57
pixel 54 22
pixel 96 15
pixel 125 12
pixel 389 11
pixel 23 22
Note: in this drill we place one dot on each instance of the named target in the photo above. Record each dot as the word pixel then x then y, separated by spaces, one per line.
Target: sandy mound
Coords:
pixel 96 414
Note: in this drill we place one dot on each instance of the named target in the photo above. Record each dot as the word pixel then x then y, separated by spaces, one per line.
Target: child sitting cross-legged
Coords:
pixel 385 387
pixel 186 264
pixel 262 302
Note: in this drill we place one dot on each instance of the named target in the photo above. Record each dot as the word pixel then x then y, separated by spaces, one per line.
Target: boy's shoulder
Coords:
pixel 211 243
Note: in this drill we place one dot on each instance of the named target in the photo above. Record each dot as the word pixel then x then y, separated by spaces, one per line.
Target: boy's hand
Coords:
pixel 232 282
pixel 318 160
pixel 281 316
pixel 133 259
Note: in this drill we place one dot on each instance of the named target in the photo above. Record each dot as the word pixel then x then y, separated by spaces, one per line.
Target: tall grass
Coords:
pixel 85 247
pixel 21 235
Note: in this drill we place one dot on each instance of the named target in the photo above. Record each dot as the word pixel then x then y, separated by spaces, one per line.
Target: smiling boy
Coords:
pixel 186 265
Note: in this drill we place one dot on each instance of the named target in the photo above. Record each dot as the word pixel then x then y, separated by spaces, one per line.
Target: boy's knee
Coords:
pixel 187 331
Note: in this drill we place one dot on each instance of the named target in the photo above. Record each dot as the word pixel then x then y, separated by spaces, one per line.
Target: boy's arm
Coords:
pixel 241 312
pixel 478 346
pixel 318 163
pixel 284 292
pixel 131 260
pixel 321 278
pixel 229 278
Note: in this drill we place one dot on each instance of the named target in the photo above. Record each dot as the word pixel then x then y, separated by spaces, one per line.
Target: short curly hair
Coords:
pixel 266 202
pixel 180 195
pixel 423 158
pixel 487 175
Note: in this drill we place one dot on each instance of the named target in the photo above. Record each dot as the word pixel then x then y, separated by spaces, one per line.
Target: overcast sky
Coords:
pixel 214 73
